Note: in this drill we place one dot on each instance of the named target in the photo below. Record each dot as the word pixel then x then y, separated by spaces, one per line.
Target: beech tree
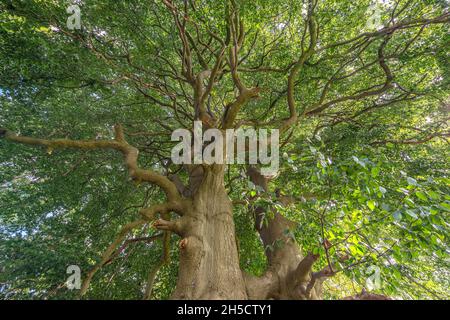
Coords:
pixel 357 89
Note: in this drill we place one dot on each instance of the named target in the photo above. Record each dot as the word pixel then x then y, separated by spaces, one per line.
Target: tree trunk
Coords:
pixel 209 262
pixel 289 273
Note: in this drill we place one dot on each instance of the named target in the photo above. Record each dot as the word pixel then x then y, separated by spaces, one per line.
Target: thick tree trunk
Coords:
pixel 289 273
pixel 209 263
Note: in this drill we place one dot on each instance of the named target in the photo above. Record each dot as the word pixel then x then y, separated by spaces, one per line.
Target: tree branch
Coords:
pixel 130 155
pixel 109 252
pixel 306 54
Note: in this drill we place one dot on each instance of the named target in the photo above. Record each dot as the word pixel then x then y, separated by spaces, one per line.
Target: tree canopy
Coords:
pixel 358 89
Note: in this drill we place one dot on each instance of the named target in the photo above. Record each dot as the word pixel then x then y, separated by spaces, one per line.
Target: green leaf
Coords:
pixel 371 204
pixel 421 196
pixel 433 195
pixel 375 171
pixel 445 206
pixel 411 213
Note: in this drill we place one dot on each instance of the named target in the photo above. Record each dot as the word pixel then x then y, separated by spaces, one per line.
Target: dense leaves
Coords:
pixel 369 173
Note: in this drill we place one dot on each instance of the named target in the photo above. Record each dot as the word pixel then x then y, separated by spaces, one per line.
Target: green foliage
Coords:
pixel 377 200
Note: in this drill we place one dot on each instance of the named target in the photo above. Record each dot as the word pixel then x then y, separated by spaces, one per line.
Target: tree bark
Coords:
pixel 289 273
pixel 209 262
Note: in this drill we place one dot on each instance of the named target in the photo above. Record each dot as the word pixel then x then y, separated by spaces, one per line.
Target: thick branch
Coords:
pixel 148 215
pixel 306 54
pixel 366 93
pixel 106 257
pixel 165 259
pixel 233 109
pixel 236 31
pixel 130 154
pixel 413 141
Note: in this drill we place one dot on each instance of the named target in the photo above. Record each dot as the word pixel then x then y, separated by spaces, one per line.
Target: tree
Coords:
pixel 361 199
